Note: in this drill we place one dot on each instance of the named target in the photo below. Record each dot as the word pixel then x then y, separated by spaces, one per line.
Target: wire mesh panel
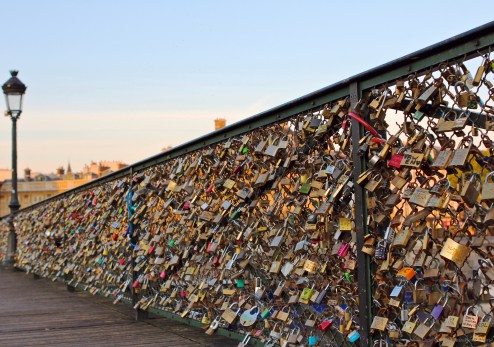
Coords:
pixel 254 234
pixel 429 202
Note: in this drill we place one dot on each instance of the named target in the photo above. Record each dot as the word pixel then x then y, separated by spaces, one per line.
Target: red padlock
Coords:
pixel 121 261
pixel 136 284
pixel 325 325
pixel 396 158
pixel 163 275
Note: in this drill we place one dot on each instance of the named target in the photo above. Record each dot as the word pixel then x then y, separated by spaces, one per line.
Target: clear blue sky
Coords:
pixel 119 80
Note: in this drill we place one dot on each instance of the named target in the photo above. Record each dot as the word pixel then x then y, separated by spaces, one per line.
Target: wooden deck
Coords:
pixel 44 313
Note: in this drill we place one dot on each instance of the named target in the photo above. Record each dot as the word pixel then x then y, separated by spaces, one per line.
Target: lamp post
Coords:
pixel 14 91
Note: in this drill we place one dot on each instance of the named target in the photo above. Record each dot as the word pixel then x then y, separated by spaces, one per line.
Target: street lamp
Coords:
pixel 14 91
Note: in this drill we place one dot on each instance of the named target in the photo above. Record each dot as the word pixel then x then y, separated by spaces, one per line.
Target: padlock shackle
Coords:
pixel 474 308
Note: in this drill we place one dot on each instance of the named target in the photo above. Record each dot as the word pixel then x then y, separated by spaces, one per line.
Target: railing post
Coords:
pixel 139 314
pixel 363 264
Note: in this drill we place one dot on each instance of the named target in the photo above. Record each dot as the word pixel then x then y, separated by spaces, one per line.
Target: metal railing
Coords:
pixel 105 236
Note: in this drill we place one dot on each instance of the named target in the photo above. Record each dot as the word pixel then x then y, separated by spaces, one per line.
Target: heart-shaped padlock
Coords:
pixel 249 317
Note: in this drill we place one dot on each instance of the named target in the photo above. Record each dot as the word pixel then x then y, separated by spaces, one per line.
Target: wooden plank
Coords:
pixel 44 313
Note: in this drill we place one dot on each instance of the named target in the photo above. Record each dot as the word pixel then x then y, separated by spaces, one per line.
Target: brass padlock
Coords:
pixel 455 251
pixel 462 94
pixel 484 325
pixel 421 195
pixel 380 320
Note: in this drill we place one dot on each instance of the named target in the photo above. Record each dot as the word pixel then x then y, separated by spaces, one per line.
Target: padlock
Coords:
pixel 374 183
pixel 245 341
pixel 461 153
pixel 259 288
pixel 310 266
pixel 205 319
pixel 455 251
pixel 484 325
pixel 461 121
pixel 462 94
pixel 325 325
pixel 397 158
pixel 470 321
pixel 487 269
pixel 406 273
pixel 321 295
pixel 249 317
pixel 294 335
pixel 229 315
pixel 444 156
pixel 409 326
pixel 432 270
pixel 489 217
pixel 275 265
pixel 276 332
pixel 266 313
pixel 353 336
pixel 279 289
pixel 381 252
pixel 439 307
pixel 488 188
pixel 471 190
pixel 380 320
pixel 344 249
pixel 402 237
pixel 421 194
pixel 423 329
pixel 393 332
pixel 307 293
pixel 278 239
pixel 312 340
pixel 213 326
pixel 393 199
pixel 310 321
pixel 397 288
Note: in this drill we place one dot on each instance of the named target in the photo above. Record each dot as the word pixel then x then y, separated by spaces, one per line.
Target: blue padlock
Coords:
pixel 353 336
pixel 312 340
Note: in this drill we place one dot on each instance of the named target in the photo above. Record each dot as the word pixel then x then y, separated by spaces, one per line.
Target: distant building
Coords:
pixel 219 123
pixel 36 187
pixel 101 169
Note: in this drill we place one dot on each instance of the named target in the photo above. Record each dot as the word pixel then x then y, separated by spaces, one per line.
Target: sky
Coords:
pixel 119 80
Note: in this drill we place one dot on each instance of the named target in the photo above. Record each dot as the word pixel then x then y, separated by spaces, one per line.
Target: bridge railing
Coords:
pixel 348 212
